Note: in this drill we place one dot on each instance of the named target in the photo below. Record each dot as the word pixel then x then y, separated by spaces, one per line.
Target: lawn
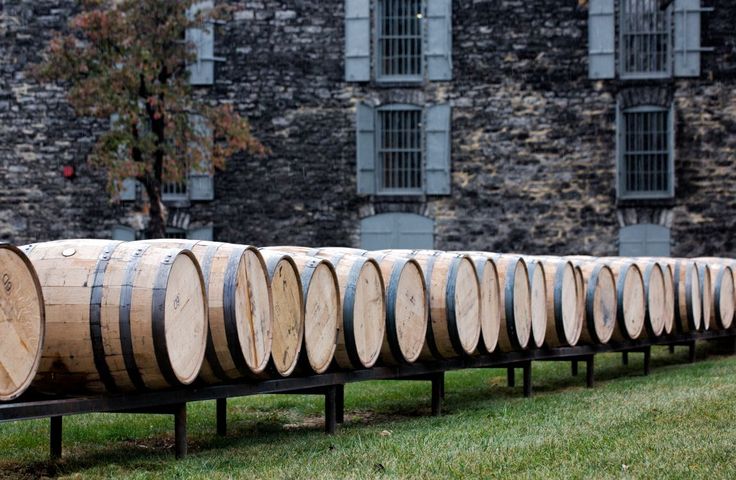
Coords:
pixel 676 423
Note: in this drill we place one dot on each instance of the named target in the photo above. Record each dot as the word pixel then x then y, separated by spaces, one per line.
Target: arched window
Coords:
pixel 396 230
pixel 644 240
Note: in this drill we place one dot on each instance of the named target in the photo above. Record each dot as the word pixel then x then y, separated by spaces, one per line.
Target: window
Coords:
pixel 411 40
pixel 646 158
pixel 199 183
pixel 645 39
pixel 396 230
pixel 403 149
pixel 400 150
pixel 644 240
pixel 399 39
pixel 653 42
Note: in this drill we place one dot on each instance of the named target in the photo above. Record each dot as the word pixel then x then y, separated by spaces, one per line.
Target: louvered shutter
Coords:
pixel 357 40
pixel 438 149
pixel 201 178
pixel 366 149
pixel 439 39
pixel 687 38
pixel 644 240
pixel 396 231
pixel 123 233
pixel 204 233
pixel 202 72
pixel 601 39
pixel 128 190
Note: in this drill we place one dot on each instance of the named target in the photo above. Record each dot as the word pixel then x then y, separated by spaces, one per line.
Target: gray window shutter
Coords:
pixel 357 40
pixel 396 230
pixel 601 39
pixel 619 150
pixel 204 233
pixel 439 39
pixel 644 240
pixel 366 149
pixel 123 233
pixel 438 153
pixel 687 38
pixel 128 190
pixel 201 179
pixel 673 151
pixel 203 71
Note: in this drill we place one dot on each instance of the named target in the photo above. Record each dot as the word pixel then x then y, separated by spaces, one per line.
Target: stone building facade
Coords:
pixel 532 138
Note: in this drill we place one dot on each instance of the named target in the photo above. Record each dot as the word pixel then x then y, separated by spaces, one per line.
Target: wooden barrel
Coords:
pixel 721 285
pixel 706 295
pixel 601 305
pixel 240 308
pixel 407 303
pixel 538 301
pixel 580 283
pixel 516 318
pixel 364 310
pixel 120 317
pixel 362 295
pixel 288 312
pixel 723 295
pixel 669 297
pixel 22 323
pixel 687 294
pixel 407 310
pixel 656 303
pixel 490 302
pixel 454 302
pixel 630 295
pixel 631 300
pixel 322 310
pixel 565 322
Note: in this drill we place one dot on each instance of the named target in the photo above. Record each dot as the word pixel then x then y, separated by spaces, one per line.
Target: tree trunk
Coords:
pixel 157 211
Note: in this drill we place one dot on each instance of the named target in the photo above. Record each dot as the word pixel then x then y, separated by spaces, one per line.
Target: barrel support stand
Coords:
pixel 438 388
pixel 646 350
pixel 690 349
pixel 55 436
pixel 221 416
pixel 178 410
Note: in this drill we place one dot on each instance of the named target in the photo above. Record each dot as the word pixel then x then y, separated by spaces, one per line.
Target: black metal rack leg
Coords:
pixel 340 403
pixel 180 430
pixel 672 349
pixel 647 360
pixel 590 371
pixel 511 376
pixel 438 385
pixel 527 379
pixel 691 352
pixel 330 410
pixel 222 416
pixel 574 366
pixel 55 435
pixel 625 358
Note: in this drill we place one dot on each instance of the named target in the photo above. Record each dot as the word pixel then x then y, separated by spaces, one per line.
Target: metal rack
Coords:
pixel 331 386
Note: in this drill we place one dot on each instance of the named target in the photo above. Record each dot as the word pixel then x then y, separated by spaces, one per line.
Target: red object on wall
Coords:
pixel 68 171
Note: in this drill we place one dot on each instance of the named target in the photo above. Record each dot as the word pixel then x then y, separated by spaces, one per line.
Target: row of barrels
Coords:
pixel 107 316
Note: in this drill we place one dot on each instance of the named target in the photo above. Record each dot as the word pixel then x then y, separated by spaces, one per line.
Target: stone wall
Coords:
pixel 533 138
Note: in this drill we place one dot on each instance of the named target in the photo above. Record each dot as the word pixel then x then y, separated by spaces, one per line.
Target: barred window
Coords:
pixel 646 158
pixel 645 39
pixel 173 191
pixel 400 149
pixel 399 39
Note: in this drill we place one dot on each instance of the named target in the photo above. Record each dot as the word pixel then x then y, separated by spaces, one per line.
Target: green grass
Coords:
pixel 676 423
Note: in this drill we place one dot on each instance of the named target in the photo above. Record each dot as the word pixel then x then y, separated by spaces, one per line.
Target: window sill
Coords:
pixel 631 202
pixel 399 198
